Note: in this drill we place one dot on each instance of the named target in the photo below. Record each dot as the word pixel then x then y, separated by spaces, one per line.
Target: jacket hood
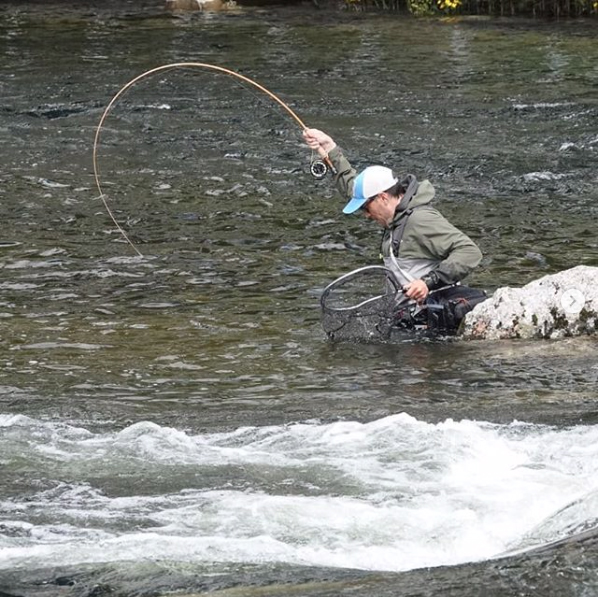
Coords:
pixel 425 193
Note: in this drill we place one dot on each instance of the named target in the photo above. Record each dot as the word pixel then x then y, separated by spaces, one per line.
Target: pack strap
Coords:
pixel 398 231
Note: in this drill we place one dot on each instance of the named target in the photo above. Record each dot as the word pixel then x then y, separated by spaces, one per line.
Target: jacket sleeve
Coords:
pixel 457 253
pixel 345 173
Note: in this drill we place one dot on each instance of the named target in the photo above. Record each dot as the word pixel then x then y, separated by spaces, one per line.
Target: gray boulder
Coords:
pixel 555 306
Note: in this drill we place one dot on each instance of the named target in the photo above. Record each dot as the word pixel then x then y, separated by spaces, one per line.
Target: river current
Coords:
pixel 178 420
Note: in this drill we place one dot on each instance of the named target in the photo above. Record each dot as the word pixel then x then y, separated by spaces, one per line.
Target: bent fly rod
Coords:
pixel 318 168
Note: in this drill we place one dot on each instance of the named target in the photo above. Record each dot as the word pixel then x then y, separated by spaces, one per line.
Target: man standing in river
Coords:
pixel 426 253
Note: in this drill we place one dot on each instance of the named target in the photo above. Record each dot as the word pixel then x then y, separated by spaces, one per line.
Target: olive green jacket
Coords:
pixel 430 243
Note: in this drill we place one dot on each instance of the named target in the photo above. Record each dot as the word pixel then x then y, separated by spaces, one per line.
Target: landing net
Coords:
pixel 361 305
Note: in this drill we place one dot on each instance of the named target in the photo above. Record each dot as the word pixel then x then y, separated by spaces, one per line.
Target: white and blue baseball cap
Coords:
pixel 367 184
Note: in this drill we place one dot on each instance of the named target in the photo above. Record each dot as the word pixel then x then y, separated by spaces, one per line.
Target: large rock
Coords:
pixel 555 306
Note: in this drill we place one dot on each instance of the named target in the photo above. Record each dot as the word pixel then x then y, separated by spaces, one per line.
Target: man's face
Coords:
pixel 381 208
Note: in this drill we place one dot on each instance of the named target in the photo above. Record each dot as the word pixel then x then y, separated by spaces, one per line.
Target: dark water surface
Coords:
pixel 178 420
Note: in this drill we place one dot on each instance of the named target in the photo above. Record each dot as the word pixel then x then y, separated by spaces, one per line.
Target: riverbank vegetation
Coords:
pixel 538 8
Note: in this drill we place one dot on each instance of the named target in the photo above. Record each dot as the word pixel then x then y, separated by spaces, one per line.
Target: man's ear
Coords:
pixel 390 198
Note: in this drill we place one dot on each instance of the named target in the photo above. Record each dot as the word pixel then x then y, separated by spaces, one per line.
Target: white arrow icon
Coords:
pixel 573 300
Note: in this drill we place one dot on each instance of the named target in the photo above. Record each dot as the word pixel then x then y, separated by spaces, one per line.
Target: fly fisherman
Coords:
pixel 426 253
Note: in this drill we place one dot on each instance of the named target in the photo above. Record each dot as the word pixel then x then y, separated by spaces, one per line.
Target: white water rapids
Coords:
pixel 393 494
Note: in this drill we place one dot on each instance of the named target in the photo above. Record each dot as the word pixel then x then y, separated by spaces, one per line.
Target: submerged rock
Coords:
pixel 555 306
pixel 200 4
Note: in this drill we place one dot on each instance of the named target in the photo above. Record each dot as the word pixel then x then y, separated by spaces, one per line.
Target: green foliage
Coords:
pixel 421 8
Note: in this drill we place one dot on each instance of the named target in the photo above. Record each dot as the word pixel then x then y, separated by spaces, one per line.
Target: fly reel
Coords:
pixel 318 169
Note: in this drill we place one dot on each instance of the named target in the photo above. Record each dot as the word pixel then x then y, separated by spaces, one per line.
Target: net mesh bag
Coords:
pixel 361 305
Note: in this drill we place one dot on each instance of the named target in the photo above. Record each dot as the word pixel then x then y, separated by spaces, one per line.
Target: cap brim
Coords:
pixel 353 205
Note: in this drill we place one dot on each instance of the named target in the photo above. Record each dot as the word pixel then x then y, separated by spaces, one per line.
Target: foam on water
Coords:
pixel 392 494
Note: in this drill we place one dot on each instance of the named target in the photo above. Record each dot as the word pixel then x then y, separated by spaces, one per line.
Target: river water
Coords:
pixel 178 421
